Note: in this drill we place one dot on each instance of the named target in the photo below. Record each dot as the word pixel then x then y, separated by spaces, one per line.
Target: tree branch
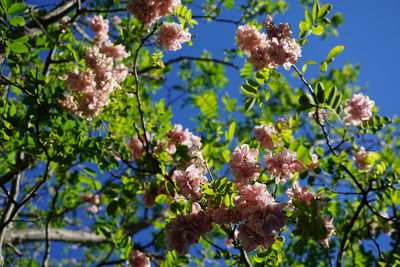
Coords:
pixel 181 58
pixel 21 236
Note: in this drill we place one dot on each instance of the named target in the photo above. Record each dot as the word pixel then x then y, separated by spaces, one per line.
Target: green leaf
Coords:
pixel 304 26
pixel 317 30
pixel 162 198
pixel 249 89
pixel 302 152
pixel 252 83
pixel 320 92
pixel 332 96
pixel 323 67
pixel 324 10
pixel 17 8
pixel 112 208
pixel 249 103
pixel 320 151
pixel 315 10
pixel 231 131
pixel 336 103
pixel 306 101
pixel 17 21
pixel 334 52
pixel 170 189
pixel 18 48
pixel 309 17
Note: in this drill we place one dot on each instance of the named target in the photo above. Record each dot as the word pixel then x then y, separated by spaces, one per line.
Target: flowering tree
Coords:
pixel 286 172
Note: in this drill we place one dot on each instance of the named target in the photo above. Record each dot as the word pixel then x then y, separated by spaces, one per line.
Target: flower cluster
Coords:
pixel 282 165
pixel 138 259
pixel 172 35
pixel 263 217
pixel 148 11
pixel 321 116
pixel 304 195
pixel 279 49
pixel 358 109
pixel 137 148
pixel 244 164
pixel 186 229
pixel 94 199
pixel 92 87
pixel 361 158
pixel 264 135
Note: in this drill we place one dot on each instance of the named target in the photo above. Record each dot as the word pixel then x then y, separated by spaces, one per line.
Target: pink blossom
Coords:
pixel 185 230
pixel 224 215
pixel 116 20
pixel 172 35
pixel 249 38
pixel 229 243
pixel 180 137
pixel 138 259
pixel 190 181
pixel 120 73
pixel 164 146
pixel 97 60
pixel 150 11
pixel 299 193
pixel 321 115
pixel 263 134
pixel 330 229
pixel 282 165
pixel 93 209
pixel 313 164
pixel 137 148
pixel 244 164
pixel 252 198
pixel 116 52
pixel 358 109
pixel 283 31
pixel 100 27
pixel 261 228
pixel 361 158
pixel 279 49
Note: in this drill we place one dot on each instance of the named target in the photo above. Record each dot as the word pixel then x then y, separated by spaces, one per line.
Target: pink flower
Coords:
pixel 263 134
pixel 224 215
pixel 252 198
pixel 190 181
pixel 171 36
pixel 361 158
pixel 116 20
pixel 93 209
pixel 137 148
pixel 138 259
pixel 229 243
pixel 100 27
pixel 185 230
pixel 301 194
pixel 282 165
pixel 120 73
pixel 249 38
pixel 358 109
pixel 279 49
pixel 251 240
pixel 164 146
pixel 330 229
pixel 116 52
pixel 321 115
pixel 150 11
pixel 282 31
pixel 261 228
pixel 180 137
pixel 244 164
